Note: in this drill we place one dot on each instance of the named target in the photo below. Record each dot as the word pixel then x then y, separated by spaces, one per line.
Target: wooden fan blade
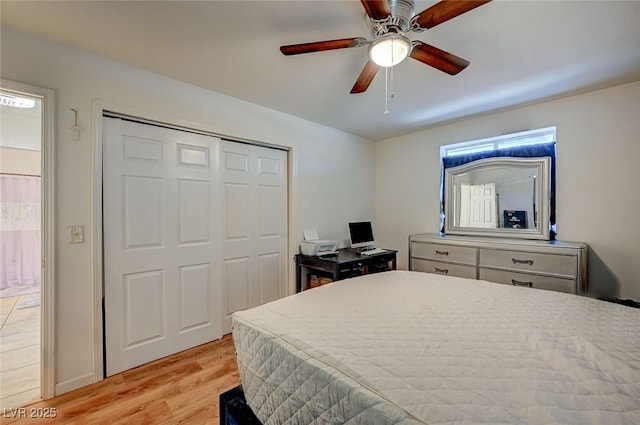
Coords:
pixel 376 9
pixel 318 46
pixel 365 78
pixel 445 10
pixel 439 59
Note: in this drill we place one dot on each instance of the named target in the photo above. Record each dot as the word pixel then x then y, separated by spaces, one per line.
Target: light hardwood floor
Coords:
pixel 19 351
pixel 180 389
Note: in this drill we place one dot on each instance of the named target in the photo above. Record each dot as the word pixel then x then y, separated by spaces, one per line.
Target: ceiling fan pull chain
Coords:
pixel 386 91
pixel 392 93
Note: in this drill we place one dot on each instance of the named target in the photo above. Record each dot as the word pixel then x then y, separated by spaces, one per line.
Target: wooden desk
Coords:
pixel 346 263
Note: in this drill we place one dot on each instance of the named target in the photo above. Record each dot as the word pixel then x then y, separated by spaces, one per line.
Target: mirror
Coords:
pixel 502 196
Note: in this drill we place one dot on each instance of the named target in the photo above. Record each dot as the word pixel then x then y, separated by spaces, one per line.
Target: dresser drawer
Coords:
pixel 565 265
pixel 441 252
pixel 446 269
pixel 531 280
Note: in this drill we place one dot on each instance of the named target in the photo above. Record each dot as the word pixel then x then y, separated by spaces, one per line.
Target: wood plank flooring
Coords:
pixel 19 349
pixel 180 389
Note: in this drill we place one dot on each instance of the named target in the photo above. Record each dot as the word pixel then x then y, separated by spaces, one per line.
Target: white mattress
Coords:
pixel 408 347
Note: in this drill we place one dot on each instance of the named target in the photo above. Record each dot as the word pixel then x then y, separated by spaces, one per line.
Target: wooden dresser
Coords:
pixel 553 265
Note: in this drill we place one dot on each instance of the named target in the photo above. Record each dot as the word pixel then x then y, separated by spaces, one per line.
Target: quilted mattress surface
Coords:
pixel 416 348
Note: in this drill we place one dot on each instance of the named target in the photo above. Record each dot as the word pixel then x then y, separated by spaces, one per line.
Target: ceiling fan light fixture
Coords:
pixel 390 50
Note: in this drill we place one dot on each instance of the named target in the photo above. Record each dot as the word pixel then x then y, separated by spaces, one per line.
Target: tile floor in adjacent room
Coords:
pixel 19 350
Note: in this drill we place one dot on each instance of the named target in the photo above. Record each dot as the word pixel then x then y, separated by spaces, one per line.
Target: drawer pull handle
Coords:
pixel 443 271
pixel 516 261
pixel 521 283
pixel 445 253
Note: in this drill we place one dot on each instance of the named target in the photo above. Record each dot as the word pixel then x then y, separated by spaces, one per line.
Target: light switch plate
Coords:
pixel 75 233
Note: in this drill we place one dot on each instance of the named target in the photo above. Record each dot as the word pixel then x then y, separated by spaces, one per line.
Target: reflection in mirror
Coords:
pixel 501 196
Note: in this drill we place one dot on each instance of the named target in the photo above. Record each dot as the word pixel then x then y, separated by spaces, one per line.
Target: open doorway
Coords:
pixel 25 247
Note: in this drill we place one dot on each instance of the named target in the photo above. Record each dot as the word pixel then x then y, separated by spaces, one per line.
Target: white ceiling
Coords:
pixel 520 51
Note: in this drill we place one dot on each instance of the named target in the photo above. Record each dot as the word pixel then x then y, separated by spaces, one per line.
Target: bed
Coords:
pixel 416 348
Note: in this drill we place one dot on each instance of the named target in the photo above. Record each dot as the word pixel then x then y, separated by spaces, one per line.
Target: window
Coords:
pixel 525 138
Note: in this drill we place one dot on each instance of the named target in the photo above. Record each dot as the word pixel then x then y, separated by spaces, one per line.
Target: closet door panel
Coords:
pixel 160 250
pixel 254 225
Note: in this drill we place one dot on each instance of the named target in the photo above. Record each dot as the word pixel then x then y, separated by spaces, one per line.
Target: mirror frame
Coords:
pixel 542 193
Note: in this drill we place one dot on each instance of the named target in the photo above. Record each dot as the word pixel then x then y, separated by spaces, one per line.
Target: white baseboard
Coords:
pixel 75 383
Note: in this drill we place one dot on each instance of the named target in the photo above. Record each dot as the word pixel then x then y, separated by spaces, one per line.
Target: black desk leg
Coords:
pixel 298 276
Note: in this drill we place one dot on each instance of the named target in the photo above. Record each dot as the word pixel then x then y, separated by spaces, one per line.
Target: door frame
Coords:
pixel 47 231
pixel 98 108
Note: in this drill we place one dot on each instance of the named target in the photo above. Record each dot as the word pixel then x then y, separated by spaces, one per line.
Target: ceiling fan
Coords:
pixel 390 21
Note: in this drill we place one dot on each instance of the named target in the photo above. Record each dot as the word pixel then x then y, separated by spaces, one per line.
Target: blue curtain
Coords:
pixel 541 150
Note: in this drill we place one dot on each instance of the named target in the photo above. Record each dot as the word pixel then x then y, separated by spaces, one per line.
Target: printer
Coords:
pixel 313 245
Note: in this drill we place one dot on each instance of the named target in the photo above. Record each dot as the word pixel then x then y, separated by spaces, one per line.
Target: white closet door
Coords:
pixel 161 247
pixel 254 226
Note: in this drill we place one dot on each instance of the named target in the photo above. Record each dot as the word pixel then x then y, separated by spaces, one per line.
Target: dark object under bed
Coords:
pixel 234 409
pixel 628 303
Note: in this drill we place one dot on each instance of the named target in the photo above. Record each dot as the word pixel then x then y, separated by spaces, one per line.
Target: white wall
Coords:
pixel 598 179
pixel 333 171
